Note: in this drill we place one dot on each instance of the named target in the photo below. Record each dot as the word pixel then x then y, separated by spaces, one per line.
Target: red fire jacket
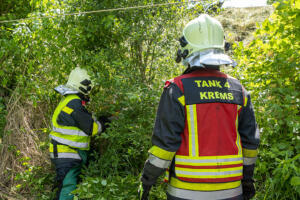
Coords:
pixel 211 149
pixel 205 132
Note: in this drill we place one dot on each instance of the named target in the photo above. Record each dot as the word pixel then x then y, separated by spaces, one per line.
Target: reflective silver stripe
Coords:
pixel 159 162
pixel 192 129
pixel 257 132
pixel 70 143
pixel 99 127
pixel 214 160
pixel 69 131
pixel 238 142
pixel 249 161
pixel 66 155
pixel 180 172
pixel 201 195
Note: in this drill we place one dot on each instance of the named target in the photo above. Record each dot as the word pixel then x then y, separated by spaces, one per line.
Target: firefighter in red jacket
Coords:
pixel 205 136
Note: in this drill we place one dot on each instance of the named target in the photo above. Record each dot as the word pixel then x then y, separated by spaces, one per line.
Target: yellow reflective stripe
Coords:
pixel 204 186
pixel 208 176
pixel 66 127
pixel 209 170
pixel 161 153
pixel 209 173
pixel 188 117
pixel 196 142
pixel 62 149
pixel 238 139
pixel 246 101
pixel 64 134
pixel 182 100
pixel 67 110
pixel 209 160
pixel 75 138
pixel 249 153
pixel 238 142
pixel 95 128
pixel 210 163
pixel 193 130
pixel 74 144
pixel 66 155
pixel 239 107
pixel 208 157
pixel 166 178
pixel 63 103
pixel 69 131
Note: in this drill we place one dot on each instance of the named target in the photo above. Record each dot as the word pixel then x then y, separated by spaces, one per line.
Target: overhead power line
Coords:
pixel 97 11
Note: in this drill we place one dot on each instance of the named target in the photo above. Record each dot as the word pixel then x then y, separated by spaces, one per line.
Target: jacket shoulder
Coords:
pixel 168 83
pixel 75 103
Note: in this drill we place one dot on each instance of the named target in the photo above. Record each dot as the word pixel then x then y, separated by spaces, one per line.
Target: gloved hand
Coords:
pixel 105 121
pixel 143 191
pixel 248 189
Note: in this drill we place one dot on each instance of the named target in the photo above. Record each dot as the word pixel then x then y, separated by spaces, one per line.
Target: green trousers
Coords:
pixel 71 178
pixel 69 183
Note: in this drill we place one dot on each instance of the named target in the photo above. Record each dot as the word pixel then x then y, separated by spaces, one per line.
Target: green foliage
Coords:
pixel 116 188
pixel 270 2
pixel 269 68
pixel 2 117
pixel 37 179
pixel 129 54
pixel 14 9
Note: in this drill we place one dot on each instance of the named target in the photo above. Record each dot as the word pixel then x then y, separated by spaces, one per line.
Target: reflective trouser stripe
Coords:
pixel 204 195
pixel 249 161
pixel 82 145
pixel 69 131
pixel 159 162
pixel 66 155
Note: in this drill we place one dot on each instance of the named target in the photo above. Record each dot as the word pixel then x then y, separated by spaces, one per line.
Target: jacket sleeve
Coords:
pixel 166 139
pixel 249 132
pixel 75 114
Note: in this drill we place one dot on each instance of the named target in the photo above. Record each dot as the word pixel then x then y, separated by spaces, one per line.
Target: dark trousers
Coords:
pixel 63 167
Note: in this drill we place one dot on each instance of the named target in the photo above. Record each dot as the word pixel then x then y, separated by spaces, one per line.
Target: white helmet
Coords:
pixel 80 81
pixel 202 34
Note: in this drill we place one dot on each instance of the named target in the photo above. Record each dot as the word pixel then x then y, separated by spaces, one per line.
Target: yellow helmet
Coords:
pixel 201 34
pixel 80 81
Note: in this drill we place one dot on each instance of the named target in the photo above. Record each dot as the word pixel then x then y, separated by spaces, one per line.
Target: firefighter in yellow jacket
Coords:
pixel 205 136
pixel 72 128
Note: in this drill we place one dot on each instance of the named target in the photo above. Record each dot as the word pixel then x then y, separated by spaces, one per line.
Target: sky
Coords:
pixel 244 3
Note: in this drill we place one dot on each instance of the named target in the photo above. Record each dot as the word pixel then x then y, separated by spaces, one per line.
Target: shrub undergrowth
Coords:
pixel 129 55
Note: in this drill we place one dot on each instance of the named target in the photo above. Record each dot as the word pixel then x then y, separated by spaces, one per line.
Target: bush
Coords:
pixel 269 68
